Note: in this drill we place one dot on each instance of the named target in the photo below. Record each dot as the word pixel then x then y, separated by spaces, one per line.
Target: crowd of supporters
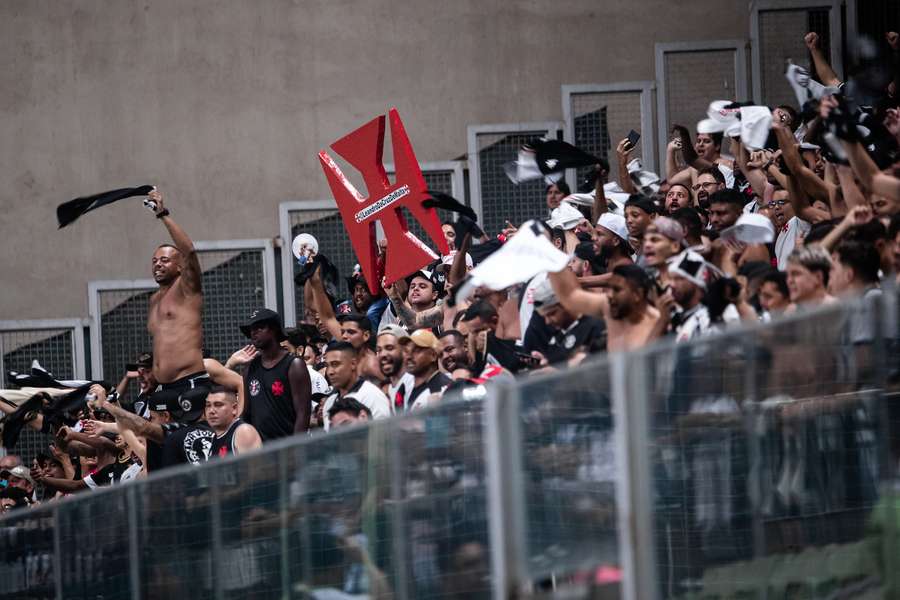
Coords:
pixel 730 233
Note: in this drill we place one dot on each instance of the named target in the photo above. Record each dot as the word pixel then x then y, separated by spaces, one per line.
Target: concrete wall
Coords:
pixel 224 105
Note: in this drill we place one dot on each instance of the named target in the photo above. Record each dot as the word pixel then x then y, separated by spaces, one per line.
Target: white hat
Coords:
pixel 756 122
pixel 447 259
pixel 734 130
pixel 614 224
pixel 566 217
pixel 707 126
pixel 751 228
pixel 543 295
pixel 691 266
pixel 720 112
pixel 580 199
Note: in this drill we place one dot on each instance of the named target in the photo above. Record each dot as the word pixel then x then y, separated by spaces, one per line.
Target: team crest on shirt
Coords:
pixel 277 388
pixel 254 387
pixel 198 445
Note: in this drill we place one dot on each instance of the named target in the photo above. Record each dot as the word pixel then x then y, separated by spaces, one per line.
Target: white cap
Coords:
pixel 614 224
pixel 756 122
pixel 718 112
pixel 707 126
pixel 691 266
pixel 447 259
pixel 750 228
pixel 580 199
pixel 566 217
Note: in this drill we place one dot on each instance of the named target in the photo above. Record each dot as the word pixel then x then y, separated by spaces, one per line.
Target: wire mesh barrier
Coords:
pixel 758 463
pixel 600 121
pixel 692 78
pixel 327 227
pixel 779 43
pixel 59 349
pixel 766 453
pixel 568 472
pixel 500 198
pixel 234 284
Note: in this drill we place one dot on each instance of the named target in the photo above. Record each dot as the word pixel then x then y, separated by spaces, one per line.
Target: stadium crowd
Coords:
pixel 732 232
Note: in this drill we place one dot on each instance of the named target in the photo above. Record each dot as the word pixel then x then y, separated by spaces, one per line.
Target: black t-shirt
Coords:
pixel 182 444
pixel 111 473
pixel 586 333
pixel 269 399
pixel 435 384
pixel 224 445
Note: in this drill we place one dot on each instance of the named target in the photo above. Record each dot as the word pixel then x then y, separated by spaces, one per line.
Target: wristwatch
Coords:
pixel 163 213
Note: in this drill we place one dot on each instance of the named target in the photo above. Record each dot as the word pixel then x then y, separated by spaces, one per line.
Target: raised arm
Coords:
pixel 323 304
pixel 573 298
pixel 623 155
pixel 127 419
pixel 301 394
pixel 190 274
pixel 222 375
pixel 823 67
pixel 805 178
pixel 858 215
pixel 687 150
pixel 600 205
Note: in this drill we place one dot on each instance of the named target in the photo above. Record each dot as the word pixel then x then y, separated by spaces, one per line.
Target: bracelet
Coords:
pixel 163 213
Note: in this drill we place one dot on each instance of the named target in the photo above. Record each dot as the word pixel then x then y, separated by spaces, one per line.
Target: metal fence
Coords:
pixel 238 277
pixel 58 345
pixel 759 463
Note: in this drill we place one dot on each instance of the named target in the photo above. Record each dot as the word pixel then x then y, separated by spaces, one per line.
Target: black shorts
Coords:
pixel 184 399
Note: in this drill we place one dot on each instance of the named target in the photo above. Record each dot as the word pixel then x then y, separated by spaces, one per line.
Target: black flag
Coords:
pixel 547 159
pixel 68 212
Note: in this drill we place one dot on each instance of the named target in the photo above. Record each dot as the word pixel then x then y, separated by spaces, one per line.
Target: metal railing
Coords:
pixel 755 463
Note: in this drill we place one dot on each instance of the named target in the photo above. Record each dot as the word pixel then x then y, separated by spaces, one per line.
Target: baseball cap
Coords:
pixel 544 295
pixel 21 472
pixel 263 315
pixel 144 360
pixel 670 228
pixel 614 223
pixel 691 266
pixel 395 330
pixel 424 338
pixel 565 217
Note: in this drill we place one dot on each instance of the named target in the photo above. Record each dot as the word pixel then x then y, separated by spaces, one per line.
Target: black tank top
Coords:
pixel 269 402
pixel 224 445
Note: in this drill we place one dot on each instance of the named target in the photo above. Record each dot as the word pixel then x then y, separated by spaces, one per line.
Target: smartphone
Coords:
pixel 633 137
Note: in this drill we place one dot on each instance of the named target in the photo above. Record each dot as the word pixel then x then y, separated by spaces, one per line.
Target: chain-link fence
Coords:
pixel 760 462
pixel 58 346
pixel 236 280
pixel 490 148
pixel 601 118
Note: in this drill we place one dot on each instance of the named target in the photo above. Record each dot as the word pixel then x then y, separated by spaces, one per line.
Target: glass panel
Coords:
pixel 93 535
pixel 569 462
pixel 766 455
pixel 27 559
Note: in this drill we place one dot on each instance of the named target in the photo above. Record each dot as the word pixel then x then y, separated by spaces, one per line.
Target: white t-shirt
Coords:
pixel 787 239
pixel 406 383
pixel 318 384
pixel 367 394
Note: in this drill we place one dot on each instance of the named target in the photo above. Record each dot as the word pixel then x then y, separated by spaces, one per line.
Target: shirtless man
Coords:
pixel 631 322
pixel 174 321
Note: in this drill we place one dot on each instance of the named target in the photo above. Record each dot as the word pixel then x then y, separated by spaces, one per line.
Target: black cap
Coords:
pixel 144 360
pixel 263 315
